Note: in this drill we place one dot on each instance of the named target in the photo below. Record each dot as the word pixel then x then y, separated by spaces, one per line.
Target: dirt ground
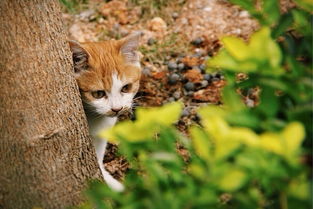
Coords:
pixel 177 40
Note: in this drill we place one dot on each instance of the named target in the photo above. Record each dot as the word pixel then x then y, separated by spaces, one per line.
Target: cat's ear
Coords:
pixel 128 48
pixel 80 56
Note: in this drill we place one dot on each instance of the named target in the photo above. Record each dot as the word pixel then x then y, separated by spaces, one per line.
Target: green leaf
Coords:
pixel 299 188
pixel 305 4
pixel 247 5
pixel 269 102
pixel 293 136
pixel 165 115
pixel 284 23
pixel 232 100
pixel 200 143
pixel 236 47
pixel 271 10
pixel 232 180
pixel 149 122
pixel 264 48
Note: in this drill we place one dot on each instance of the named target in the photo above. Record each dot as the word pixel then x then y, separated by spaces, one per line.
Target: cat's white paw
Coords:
pixel 112 182
pixel 115 185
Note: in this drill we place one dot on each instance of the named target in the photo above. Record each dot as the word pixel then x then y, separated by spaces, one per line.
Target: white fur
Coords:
pixel 115 99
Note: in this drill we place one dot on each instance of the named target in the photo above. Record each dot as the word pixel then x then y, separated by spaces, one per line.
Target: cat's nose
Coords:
pixel 116 109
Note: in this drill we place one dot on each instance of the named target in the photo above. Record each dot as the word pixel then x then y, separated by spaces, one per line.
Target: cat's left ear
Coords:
pixel 129 46
pixel 80 57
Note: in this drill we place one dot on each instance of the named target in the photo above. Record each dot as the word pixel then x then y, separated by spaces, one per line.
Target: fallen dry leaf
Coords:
pixel 194 76
pixel 191 61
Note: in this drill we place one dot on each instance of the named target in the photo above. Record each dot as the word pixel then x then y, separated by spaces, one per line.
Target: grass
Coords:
pixel 171 45
pixel 73 6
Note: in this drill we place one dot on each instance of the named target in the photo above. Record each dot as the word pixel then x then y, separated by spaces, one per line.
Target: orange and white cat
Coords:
pixel 108 75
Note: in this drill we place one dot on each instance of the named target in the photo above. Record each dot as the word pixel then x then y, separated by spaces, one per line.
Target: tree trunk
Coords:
pixel 46 155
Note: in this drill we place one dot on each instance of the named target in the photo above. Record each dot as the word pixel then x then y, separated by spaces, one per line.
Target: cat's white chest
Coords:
pixel 101 123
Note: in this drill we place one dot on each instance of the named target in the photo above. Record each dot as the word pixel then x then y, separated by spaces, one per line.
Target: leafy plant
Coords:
pixel 239 157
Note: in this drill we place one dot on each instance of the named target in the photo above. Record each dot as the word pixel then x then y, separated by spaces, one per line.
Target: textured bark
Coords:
pixel 46 154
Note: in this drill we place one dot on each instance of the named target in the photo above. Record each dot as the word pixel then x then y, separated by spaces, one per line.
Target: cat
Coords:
pixel 108 75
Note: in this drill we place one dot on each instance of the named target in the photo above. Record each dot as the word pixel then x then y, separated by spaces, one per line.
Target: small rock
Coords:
pixel 176 95
pixel 172 65
pixel 157 24
pixel 244 14
pixel 207 9
pixel 189 86
pixel 197 42
pixel 206 58
pixel 190 93
pixel 204 83
pixel 151 41
pixel 200 52
pixel 146 71
pixel 185 112
pixel 181 66
pixel 85 15
pixel 207 77
pixel 202 67
pixel 175 15
pixel 173 79
pixel 217 75
pixel 171 99
pixel 215 79
pixel 197 54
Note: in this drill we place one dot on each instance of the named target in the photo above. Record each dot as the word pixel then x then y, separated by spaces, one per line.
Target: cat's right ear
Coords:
pixel 80 57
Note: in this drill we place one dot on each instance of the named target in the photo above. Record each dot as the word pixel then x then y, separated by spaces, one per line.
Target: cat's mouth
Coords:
pixel 116 114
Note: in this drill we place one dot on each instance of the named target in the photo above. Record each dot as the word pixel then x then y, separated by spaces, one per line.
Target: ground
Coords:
pixel 178 37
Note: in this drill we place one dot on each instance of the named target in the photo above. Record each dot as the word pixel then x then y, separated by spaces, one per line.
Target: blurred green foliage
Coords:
pixel 239 157
pixel 72 6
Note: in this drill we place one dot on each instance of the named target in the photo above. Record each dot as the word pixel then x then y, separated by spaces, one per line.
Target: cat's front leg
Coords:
pixel 100 145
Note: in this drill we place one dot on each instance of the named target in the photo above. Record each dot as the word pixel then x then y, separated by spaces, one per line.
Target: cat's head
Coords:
pixel 107 73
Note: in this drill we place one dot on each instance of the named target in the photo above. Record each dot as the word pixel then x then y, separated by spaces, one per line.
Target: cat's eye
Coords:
pixel 126 88
pixel 98 94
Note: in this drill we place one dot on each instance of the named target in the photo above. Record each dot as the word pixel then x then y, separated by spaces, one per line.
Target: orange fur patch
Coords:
pixel 105 60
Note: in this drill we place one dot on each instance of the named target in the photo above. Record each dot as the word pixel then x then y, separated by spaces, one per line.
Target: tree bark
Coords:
pixel 46 154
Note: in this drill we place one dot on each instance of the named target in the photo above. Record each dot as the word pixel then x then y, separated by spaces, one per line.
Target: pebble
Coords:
pixel 189 86
pixel 176 95
pixel 87 14
pixel 207 77
pixel 244 14
pixel 197 54
pixel 200 51
pixel 146 71
pixel 151 41
pixel 202 67
pixel 206 58
pixel 157 24
pixel 204 83
pixel 197 42
pixel 175 15
pixel 217 75
pixel 173 79
pixel 171 99
pixel 185 112
pixel 190 93
pixel 172 65
pixel 181 66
